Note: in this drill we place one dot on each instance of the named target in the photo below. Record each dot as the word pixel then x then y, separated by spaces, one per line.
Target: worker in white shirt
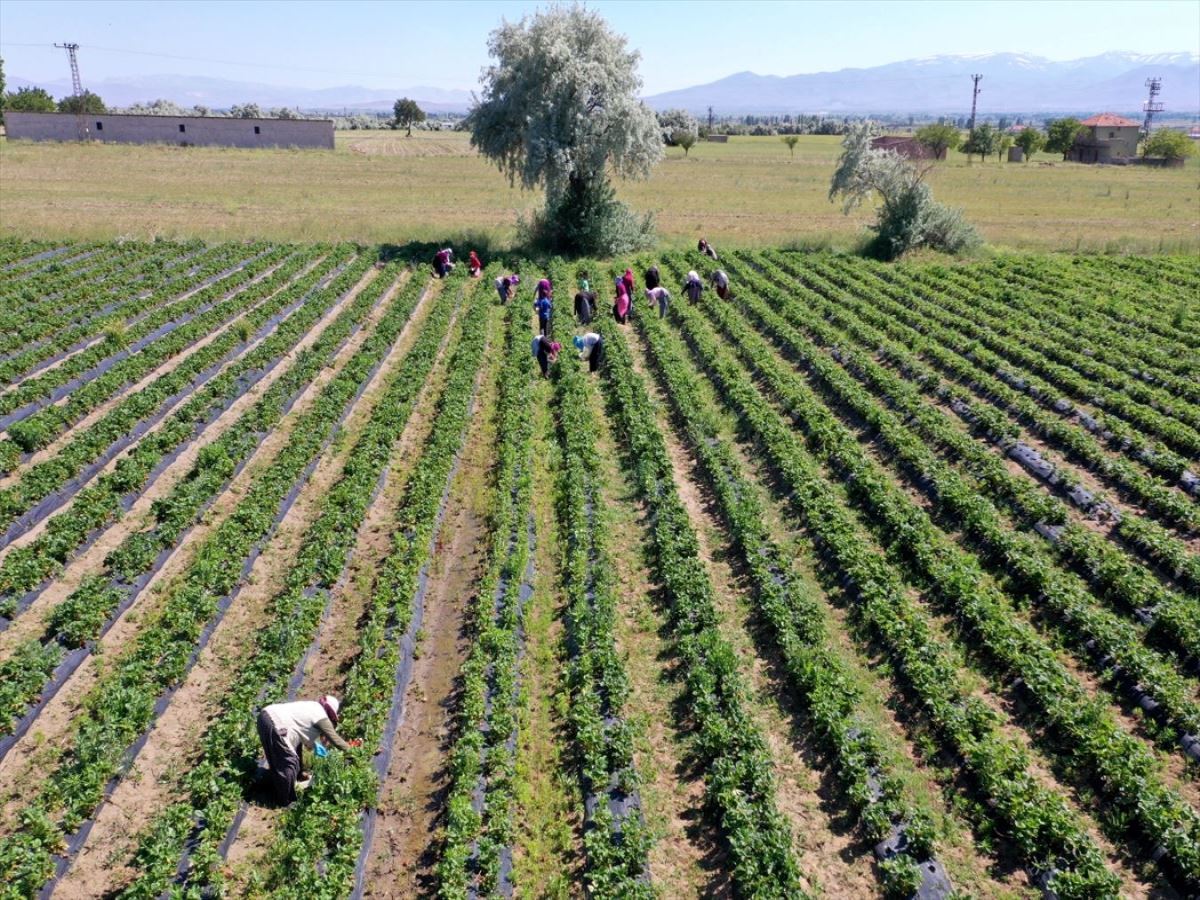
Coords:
pixel 285 729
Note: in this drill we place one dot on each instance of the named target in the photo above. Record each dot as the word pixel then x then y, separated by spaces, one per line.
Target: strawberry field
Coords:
pixel 871 580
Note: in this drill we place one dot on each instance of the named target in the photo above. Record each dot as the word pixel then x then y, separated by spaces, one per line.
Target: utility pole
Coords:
pixel 974 100
pixel 710 117
pixel 1151 106
pixel 77 87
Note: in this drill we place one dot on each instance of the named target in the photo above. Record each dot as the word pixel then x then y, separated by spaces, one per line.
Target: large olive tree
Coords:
pixel 560 111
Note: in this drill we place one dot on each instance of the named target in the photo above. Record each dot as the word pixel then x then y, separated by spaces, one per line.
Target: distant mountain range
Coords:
pixel 1012 83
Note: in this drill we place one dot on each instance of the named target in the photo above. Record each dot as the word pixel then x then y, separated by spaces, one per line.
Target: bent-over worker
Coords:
pixel 621 303
pixel 693 286
pixel 591 347
pixel 546 352
pixel 585 302
pixel 474 266
pixel 506 286
pixel 653 279
pixel 706 248
pixel 443 262
pixel 285 729
pixel 721 282
pixel 663 296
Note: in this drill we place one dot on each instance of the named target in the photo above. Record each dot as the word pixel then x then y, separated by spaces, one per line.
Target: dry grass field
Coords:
pixel 382 186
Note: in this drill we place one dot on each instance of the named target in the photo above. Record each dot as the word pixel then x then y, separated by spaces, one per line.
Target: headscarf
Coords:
pixel 693 275
pixel 578 342
pixel 543 287
pixel 583 285
pixel 555 346
pixel 514 278
pixel 331 705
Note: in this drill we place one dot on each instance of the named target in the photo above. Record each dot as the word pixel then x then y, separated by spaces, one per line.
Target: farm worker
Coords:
pixel 652 278
pixel 721 282
pixel 474 266
pixel 546 352
pixel 585 302
pixel 285 729
pixel 621 304
pixel 506 285
pixel 627 278
pixel 706 248
pixel 443 262
pixel 693 286
pixel 591 348
pixel 663 296
pixel 544 308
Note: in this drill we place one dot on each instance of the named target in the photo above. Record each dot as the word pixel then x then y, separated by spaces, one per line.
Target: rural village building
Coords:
pixel 908 147
pixel 1108 138
pixel 184 131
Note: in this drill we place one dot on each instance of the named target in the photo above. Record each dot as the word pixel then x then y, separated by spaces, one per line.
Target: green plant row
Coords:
pixel 66 298
pixel 1097 748
pixel 960 313
pixel 142 297
pixel 43 426
pixel 41 479
pixel 41 386
pixel 321 835
pixel 906 428
pixel 1108 570
pixel 100 503
pixel 858 751
pixel 1047 837
pixel 82 615
pixel 17 254
pixel 739 777
pixel 1110 357
pixel 121 706
pixel 965 366
pixel 1135 304
pixel 482 757
pixel 596 679
pixel 215 785
pixel 35 285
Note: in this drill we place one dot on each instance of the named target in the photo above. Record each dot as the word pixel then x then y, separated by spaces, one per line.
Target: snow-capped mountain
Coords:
pixel 1012 82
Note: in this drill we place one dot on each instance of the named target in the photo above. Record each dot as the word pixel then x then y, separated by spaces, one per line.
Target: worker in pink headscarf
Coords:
pixel 627 278
pixel 621 304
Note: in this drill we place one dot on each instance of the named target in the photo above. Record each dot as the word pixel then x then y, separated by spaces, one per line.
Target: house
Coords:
pixel 1106 138
pixel 908 147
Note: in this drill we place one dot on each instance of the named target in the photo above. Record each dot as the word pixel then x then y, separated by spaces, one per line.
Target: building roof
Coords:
pixel 1108 120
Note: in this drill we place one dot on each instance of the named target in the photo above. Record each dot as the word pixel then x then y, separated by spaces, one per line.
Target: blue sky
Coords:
pixel 323 43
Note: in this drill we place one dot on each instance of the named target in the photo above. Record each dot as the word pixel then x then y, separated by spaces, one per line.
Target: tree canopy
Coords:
pixel 1030 140
pixel 1061 134
pixel 1169 144
pixel 30 99
pixel 984 141
pixel 939 138
pixel 87 102
pixel 560 111
pixel 406 113
pixel 908 216
pixel 675 121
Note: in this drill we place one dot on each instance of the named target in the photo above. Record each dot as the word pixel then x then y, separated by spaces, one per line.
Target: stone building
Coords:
pixel 1107 138
pixel 184 131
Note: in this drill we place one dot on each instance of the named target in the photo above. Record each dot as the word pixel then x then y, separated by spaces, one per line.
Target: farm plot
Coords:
pixel 867 581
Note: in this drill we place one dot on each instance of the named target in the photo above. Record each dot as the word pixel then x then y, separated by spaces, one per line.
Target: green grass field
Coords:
pixel 382 186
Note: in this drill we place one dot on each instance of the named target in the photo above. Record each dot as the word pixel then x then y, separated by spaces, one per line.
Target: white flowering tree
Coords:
pixel 908 216
pixel 560 112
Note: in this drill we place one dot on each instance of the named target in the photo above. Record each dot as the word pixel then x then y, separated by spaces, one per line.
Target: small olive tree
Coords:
pixel 939 138
pixel 1168 144
pixel 685 139
pixel 560 111
pixel 1061 134
pixel 1030 140
pixel 791 140
pixel 673 121
pixel 406 113
pixel 908 216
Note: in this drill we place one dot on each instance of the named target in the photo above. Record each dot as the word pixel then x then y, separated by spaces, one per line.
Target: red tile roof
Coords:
pixel 1108 120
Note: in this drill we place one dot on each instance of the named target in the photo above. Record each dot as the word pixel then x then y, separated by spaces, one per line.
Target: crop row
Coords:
pixel 89 447
pixel 113 321
pixel 479 800
pixel 123 703
pixel 858 751
pixel 1177 618
pixel 84 615
pixel 958 311
pixel 970 365
pixel 1122 768
pixel 739 776
pixel 855 318
pixel 320 846
pixel 36 284
pixel 48 418
pixel 1121 361
pixel 215 786
pixel 51 385
pixel 20 254
pixel 906 434
pixel 1047 837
